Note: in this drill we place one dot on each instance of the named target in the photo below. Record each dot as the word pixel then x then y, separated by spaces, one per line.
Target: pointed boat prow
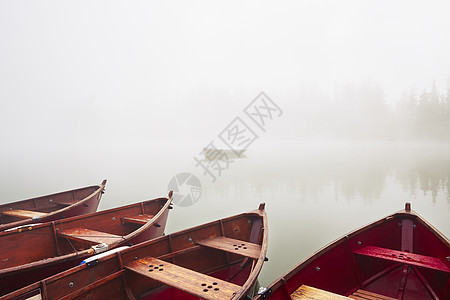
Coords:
pixel 51 207
pixel 262 206
pixel 217 260
pixel 400 256
pixel 408 207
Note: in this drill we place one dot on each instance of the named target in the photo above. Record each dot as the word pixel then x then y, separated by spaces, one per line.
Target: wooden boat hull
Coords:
pixel 51 207
pixel 31 253
pixel 398 257
pixel 217 260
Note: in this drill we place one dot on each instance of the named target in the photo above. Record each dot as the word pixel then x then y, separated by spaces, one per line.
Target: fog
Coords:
pixel 88 86
pixel 133 91
pixel 110 72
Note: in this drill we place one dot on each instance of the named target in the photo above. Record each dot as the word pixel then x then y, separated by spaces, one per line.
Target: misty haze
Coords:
pixel 134 92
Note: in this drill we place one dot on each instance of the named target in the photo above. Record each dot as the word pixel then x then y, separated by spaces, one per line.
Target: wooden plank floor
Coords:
pixel 234 246
pixel 366 295
pixel 194 283
pixel 88 235
pixel 306 292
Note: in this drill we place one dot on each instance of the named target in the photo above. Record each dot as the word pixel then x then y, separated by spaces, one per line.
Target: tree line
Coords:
pixel 361 111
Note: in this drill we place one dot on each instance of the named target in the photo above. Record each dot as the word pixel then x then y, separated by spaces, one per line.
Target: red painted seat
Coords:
pixel 405 258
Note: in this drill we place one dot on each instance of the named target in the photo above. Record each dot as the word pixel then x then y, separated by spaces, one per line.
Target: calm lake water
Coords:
pixel 314 192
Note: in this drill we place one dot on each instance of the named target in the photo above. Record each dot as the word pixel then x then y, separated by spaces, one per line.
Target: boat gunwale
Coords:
pixel 244 288
pixel 99 188
pixel 343 239
pixel 262 256
pixel 90 251
pixel 195 228
pixel 150 223
pixel 260 212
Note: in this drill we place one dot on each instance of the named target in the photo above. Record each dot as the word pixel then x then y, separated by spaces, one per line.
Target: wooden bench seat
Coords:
pixel 366 295
pixel 234 246
pixel 137 219
pixel 306 292
pixel 25 214
pixel 90 236
pixel 191 282
pixel 404 257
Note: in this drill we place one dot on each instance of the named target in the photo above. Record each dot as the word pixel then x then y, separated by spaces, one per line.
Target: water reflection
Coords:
pixel 353 171
pixel 427 171
pixel 314 192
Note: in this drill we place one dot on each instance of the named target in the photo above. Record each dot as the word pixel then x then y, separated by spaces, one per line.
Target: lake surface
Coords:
pixel 314 192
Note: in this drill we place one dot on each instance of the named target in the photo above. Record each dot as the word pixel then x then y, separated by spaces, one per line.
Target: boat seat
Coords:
pixel 88 235
pixel 366 295
pixel 404 257
pixel 194 283
pixel 25 214
pixel 234 246
pixel 137 219
pixel 306 292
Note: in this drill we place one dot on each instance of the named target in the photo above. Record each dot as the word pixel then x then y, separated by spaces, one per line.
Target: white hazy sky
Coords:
pixel 70 70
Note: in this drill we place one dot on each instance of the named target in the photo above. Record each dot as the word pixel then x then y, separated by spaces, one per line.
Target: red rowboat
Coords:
pixel 33 252
pixel 398 257
pixel 51 207
pixel 217 260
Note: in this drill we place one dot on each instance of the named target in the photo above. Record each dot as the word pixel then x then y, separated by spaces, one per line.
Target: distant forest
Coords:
pixel 425 115
pixel 360 111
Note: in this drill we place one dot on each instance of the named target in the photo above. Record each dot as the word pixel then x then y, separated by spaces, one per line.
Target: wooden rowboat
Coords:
pixel 34 252
pixel 51 207
pixel 398 257
pixel 212 154
pixel 217 260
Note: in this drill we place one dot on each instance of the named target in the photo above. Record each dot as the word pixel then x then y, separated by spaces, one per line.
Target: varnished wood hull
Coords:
pixel 35 252
pixel 217 260
pixel 400 257
pixel 51 207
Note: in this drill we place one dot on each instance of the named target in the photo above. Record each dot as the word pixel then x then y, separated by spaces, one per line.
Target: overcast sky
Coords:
pixel 70 70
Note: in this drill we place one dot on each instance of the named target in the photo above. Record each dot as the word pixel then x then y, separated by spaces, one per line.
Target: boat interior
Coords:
pixel 67 236
pixel 400 257
pixel 211 261
pixel 40 206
